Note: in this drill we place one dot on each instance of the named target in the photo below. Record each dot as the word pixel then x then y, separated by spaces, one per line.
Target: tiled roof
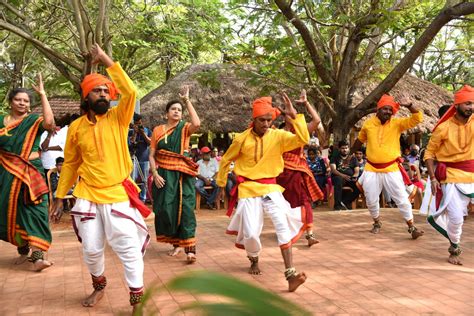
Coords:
pixel 61 106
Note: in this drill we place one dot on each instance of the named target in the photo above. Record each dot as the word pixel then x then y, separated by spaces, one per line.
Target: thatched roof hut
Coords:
pixel 222 95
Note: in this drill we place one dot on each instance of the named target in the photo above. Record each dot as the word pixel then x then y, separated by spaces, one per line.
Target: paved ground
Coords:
pixel 350 272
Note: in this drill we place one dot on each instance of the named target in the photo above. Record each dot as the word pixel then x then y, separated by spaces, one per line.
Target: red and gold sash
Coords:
pixel 172 161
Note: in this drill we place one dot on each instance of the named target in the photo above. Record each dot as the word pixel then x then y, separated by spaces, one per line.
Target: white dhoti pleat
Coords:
pixel 449 217
pixel 247 222
pixel 373 183
pixel 125 231
pixel 428 204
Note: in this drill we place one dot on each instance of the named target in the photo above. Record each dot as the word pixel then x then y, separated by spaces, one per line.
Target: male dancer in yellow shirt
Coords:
pixel 107 205
pixel 257 153
pixel 383 169
pixel 452 181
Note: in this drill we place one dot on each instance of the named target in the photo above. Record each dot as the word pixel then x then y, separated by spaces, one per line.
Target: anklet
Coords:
pixel 290 272
pixel 99 283
pixel 136 297
pixel 36 255
pixel 455 250
pixel 253 259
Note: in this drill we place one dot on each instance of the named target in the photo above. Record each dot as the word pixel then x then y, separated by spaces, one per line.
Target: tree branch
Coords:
pixel 308 40
pixel 446 15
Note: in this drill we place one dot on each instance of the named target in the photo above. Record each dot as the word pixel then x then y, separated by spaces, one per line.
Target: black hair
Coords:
pixel 59 160
pixel 342 143
pixel 74 117
pixel 136 117
pixel 282 125
pixel 312 150
pixel 15 91
pixel 169 104
pixel 85 105
pixel 443 110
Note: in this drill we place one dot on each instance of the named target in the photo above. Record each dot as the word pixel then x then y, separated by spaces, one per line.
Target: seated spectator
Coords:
pixel 414 157
pixel 361 161
pixel 318 167
pixel 345 172
pixel 208 168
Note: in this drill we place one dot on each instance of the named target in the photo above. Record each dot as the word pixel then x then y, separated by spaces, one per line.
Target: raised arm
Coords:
pixel 415 118
pixel 195 121
pixel 290 141
pixel 128 92
pixel 315 119
pixel 48 116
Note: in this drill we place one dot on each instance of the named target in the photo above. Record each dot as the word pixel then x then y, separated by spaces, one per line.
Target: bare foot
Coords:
pixel 415 233
pixel 21 259
pixel 174 252
pixel 454 259
pixel 254 269
pixel 295 281
pixel 42 264
pixel 191 258
pixel 93 299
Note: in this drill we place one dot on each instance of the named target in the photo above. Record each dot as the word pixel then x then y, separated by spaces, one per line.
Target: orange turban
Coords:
pixel 388 100
pixel 93 80
pixel 262 106
pixel 465 94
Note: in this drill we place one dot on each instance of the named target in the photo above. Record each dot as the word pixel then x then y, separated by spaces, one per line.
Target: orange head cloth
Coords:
pixel 262 106
pixel 465 94
pixel 93 80
pixel 388 100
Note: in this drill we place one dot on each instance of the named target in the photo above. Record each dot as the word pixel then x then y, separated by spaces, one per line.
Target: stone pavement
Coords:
pixel 349 272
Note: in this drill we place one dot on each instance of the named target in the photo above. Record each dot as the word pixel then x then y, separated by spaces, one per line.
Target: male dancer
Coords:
pixel 257 153
pixel 107 203
pixel 452 181
pixel 383 169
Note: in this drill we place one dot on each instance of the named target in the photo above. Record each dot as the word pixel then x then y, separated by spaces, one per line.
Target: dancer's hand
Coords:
pixel 435 186
pixel 57 211
pixel 159 181
pixel 303 99
pixel 39 88
pixel 289 109
pixel 405 101
pixel 184 93
pixel 96 53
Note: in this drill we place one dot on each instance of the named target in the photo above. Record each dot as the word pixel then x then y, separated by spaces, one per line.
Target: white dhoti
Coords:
pixel 449 217
pixel 125 231
pixel 373 183
pixel 247 222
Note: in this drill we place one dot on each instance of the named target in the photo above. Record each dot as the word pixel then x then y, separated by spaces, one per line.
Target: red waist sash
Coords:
pixel 398 160
pixel 135 201
pixel 441 173
pixel 234 193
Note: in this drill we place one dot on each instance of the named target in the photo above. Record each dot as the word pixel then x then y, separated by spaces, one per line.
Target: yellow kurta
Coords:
pixel 261 157
pixel 98 153
pixel 452 142
pixel 383 141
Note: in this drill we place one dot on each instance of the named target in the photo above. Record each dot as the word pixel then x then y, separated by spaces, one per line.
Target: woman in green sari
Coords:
pixel 23 190
pixel 174 175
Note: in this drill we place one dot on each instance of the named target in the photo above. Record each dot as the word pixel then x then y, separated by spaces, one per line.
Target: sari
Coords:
pixel 23 190
pixel 174 203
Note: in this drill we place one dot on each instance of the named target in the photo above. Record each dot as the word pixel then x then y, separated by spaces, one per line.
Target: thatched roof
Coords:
pixel 222 95
pixel 426 96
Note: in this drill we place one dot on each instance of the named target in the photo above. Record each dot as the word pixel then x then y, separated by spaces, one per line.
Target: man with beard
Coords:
pixel 384 169
pixel 107 206
pixel 452 181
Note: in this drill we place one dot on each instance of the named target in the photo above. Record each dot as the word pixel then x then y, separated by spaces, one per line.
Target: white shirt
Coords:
pixel 208 170
pixel 48 158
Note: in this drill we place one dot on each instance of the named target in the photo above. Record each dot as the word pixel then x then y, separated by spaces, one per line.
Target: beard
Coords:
pixel 100 106
pixel 466 114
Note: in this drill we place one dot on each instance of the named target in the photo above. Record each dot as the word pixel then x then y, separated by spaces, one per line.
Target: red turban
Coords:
pixel 93 80
pixel 465 94
pixel 388 100
pixel 264 106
